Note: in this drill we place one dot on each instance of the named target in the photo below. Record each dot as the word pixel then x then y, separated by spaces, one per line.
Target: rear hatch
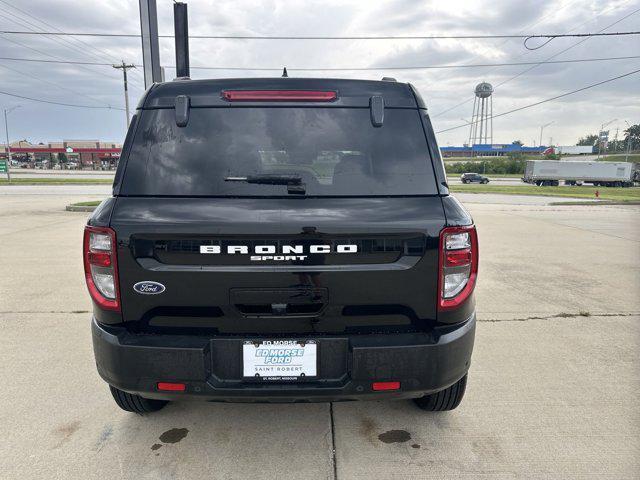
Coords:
pixel 388 283
pixel 263 219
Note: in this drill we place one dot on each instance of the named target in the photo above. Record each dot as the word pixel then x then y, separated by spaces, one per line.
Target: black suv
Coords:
pixel 473 178
pixel 281 240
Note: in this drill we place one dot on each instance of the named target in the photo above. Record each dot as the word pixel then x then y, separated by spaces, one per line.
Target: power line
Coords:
pixel 440 131
pixel 64 62
pixel 423 67
pixel 33 27
pixel 566 49
pixel 50 55
pixel 548 99
pixel 323 37
pixel 546 60
pixel 59 103
pixel 313 69
pixel 60 41
pixel 29 75
pixel 554 11
pixel 103 52
pixel 54 84
pixel 35 77
pixel 64 42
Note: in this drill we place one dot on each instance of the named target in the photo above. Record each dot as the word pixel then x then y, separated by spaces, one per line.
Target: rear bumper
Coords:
pixel 211 367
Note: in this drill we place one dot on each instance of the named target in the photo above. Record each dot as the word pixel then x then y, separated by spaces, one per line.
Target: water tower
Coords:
pixel 482 117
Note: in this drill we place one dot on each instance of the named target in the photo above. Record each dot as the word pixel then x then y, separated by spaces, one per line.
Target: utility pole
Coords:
pixel 8 147
pixel 124 67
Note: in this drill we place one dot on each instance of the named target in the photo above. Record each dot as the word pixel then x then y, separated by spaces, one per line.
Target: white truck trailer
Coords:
pixel 604 174
pixel 569 150
pixel 574 149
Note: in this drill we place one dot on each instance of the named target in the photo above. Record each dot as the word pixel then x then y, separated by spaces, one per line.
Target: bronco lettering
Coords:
pixel 272 249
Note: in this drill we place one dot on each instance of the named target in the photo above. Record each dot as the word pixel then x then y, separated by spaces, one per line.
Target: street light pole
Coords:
pixel 542 127
pixel 124 67
pixel 8 147
pixel 600 135
pixel 626 157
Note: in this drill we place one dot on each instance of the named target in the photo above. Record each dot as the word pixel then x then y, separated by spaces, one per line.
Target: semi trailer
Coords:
pixel 570 150
pixel 602 174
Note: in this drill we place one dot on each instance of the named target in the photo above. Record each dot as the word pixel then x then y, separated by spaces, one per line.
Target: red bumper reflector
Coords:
pixel 458 258
pixel 99 258
pixel 172 387
pixel 279 95
pixel 380 386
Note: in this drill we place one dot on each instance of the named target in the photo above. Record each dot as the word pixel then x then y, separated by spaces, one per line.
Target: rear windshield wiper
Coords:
pixel 293 182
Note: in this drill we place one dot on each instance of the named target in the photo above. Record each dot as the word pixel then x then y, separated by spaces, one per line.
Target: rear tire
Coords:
pixel 130 402
pixel 444 400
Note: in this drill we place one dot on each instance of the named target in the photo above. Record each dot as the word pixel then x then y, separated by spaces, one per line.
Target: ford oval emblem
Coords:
pixel 149 288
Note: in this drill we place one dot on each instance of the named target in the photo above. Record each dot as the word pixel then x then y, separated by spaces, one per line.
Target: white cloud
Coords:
pixel 574 116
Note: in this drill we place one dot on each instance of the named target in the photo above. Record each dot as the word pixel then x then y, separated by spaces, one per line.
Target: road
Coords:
pixel 455 180
pixel 552 389
pixel 34 173
pixel 83 192
pixel 572 158
pixel 90 174
pixel 79 193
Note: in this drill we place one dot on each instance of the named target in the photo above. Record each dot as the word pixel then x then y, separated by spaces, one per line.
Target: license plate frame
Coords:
pixel 279 360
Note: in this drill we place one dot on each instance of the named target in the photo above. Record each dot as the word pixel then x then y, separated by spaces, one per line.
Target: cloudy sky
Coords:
pixel 101 86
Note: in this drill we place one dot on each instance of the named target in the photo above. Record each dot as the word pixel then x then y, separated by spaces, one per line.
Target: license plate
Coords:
pixel 279 359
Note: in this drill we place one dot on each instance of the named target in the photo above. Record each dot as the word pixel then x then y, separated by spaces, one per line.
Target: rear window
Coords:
pixel 335 152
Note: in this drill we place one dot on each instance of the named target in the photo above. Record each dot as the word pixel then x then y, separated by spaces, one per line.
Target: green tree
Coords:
pixel 590 139
pixel 632 133
pixel 517 142
pixel 616 146
pixel 514 163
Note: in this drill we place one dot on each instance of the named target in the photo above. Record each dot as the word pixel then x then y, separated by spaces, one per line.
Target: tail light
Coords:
pixel 101 266
pixel 458 265
pixel 279 95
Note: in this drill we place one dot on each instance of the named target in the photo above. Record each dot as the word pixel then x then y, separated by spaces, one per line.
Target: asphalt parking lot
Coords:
pixel 552 391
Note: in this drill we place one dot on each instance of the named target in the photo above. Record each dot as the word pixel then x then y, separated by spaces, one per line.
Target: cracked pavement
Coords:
pixel 552 389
